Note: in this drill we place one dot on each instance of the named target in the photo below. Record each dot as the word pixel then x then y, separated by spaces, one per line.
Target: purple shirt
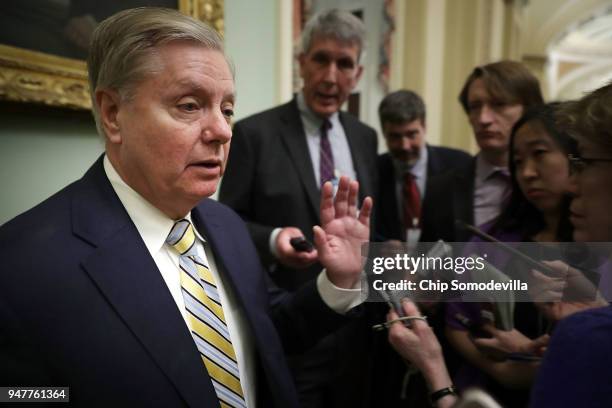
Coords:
pixel 491 187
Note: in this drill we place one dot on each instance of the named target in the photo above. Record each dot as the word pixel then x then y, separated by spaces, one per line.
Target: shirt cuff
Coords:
pixel 272 241
pixel 340 300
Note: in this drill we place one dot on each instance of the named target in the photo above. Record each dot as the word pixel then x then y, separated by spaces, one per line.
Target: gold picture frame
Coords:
pixel 42 78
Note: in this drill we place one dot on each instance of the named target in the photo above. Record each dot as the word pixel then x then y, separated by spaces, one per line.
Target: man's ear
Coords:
pixel 301 60
pixel 109 102
pixel 358 73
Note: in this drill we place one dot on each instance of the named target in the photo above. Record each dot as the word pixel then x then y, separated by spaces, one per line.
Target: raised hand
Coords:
pixel 342 232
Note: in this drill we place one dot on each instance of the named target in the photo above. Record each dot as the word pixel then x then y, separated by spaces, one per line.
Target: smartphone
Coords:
pixel 301 244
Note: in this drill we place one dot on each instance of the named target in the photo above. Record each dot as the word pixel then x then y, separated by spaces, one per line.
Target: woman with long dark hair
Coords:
pixel 537 210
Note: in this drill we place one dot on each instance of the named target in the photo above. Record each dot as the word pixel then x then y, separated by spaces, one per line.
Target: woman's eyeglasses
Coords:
pixel 578 164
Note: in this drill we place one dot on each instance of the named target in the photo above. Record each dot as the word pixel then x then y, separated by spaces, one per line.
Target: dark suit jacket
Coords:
pixel 439 161
pixel 270 182
pixel 449 197
pixel 82 304
pixel 383 369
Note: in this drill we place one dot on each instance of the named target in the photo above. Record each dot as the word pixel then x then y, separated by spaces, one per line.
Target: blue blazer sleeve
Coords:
pixel 576 368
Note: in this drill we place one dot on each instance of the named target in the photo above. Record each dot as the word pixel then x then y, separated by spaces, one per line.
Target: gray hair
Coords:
pixel 340 25
pixel 124 46
pixel 400 107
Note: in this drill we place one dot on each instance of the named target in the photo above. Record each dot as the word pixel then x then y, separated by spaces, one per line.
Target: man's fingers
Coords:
pixel 327 211
pixel 307 256
pixel 483 342
pixel 397 330
pixel 410 309
pixel 352 198
pixel 489 328
pixel 341 202
pixel 558 266
pixel 320 240
pixel 546 288
pixel 538 346
pixel 547 296
pixel 539 276
pixel 541 341
pixel 392 315
pixel 366 211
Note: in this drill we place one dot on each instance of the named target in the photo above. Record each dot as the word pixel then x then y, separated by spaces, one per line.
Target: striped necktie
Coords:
pixel 326 156
pixel 205 315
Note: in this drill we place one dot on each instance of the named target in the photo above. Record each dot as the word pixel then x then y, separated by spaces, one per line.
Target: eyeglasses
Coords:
pixel 578 164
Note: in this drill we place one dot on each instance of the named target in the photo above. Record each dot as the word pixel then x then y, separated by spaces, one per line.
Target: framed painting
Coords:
pixel 43 44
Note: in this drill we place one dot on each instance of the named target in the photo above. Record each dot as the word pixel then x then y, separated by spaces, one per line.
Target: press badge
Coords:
pixel 413 235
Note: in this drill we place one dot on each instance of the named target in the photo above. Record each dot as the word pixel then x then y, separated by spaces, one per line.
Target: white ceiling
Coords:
pixel 547 22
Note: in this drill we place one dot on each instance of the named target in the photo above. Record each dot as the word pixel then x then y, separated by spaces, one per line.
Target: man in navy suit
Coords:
pixel 402 118
pixel 90 294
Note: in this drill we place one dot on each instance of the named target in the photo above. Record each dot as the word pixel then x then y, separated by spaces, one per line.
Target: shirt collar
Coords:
pixel 418 169
pixel 484 169
pixel 311 119
pixel 152 224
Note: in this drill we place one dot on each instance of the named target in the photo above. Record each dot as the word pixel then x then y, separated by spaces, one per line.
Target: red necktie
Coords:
pixel 412 202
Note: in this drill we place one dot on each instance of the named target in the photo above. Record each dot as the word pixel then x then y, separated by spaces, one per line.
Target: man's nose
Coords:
pixel 217 127
pixel 406 144
pixel 331 73
pixel 485 115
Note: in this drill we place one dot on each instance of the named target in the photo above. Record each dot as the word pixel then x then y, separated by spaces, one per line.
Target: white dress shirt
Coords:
pixel 343 160
pixel 154 227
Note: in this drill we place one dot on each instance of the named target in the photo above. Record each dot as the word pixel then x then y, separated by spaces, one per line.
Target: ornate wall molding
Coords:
pixel 210 11
pixel 36 77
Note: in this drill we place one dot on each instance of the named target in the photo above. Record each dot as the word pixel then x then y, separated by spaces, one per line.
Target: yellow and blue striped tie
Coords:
pixel 205 315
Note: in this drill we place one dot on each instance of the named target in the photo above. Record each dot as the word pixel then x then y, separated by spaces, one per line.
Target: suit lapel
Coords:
pixel 294 138
pixel 237 258
pixel 433 161
pixel 433 167
pixel 227 256
pixel 129 279
pixel 388 211
pixel 464 199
